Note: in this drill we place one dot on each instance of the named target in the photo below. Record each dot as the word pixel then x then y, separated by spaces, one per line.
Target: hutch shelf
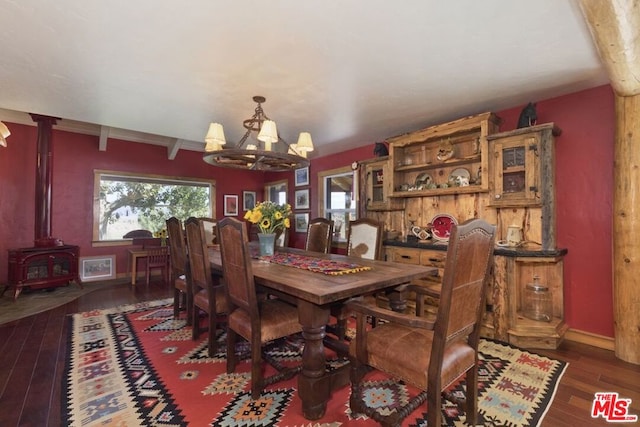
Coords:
pixel 442 159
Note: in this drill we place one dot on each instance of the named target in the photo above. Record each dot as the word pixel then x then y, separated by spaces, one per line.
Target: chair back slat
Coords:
pixel 158 256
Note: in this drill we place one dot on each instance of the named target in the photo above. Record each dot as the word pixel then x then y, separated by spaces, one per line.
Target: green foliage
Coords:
pixel 153 203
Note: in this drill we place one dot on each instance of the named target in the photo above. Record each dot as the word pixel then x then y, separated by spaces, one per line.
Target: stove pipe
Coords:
pixel 44 175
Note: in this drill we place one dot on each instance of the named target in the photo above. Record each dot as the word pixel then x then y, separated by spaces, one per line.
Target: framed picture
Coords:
pixel 302 199
pixel 102 267
pixel 302 176
pixel 302 222
pixel 231 205
pixel 248 200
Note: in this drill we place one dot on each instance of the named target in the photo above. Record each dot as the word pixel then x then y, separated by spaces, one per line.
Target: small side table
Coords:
pixel 134 255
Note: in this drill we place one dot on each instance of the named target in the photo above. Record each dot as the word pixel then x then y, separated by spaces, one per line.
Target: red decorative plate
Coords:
pixel 441 226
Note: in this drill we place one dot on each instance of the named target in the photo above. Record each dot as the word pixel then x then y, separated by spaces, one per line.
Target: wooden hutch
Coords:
pixel 466 169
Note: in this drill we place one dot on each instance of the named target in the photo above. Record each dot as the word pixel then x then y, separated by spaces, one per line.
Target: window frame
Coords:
pixel 98 174
pixel 322 195
pixel 276 184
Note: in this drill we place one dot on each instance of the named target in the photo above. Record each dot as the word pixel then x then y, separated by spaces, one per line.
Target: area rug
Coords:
pixel 137 366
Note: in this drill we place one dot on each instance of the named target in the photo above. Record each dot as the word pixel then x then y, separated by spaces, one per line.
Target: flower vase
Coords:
pixel 267 243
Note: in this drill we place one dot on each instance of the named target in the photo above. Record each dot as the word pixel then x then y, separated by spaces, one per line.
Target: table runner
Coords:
pixel 317 265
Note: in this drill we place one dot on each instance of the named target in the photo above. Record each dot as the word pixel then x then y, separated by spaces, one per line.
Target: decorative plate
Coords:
pixel 424 180
pixel 460 176
pixel 441 226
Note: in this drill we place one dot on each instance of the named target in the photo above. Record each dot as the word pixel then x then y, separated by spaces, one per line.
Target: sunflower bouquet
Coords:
pixel 269 216
pixel 162 235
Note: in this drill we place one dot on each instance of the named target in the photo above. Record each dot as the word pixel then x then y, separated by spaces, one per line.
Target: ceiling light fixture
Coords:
pixel 4 134
pixel 267 152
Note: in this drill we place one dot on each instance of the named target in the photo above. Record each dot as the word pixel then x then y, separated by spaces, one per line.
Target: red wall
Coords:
pixel 584 194
pixel 584 184
pixel 75 157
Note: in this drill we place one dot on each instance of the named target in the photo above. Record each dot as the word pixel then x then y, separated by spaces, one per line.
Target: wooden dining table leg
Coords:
pixel 397 298
pixel 314 387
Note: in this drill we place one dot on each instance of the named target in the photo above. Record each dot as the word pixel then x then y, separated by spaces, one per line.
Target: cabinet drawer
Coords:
pixel 433 258
pixel 404 255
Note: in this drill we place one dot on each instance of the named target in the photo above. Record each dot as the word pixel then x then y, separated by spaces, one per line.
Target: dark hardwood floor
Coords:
pixel 33 349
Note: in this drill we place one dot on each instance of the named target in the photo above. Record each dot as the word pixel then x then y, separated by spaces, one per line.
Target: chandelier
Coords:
pixel 267 152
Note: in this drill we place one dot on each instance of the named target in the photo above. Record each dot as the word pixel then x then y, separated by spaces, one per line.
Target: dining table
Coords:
pixel 314 291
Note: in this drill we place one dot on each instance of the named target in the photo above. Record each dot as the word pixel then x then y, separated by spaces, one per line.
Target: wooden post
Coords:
pixel 626 229
pixel 615 27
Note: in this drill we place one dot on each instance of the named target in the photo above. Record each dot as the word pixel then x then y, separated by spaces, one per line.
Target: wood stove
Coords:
pixel 50 262
pixel 38 268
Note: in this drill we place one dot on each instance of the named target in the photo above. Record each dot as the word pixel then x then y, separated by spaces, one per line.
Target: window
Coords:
pixel 276 192
pixel 338 190
pixel 126 202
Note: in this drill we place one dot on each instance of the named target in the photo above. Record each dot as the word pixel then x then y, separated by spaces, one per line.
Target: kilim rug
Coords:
pixel 137 366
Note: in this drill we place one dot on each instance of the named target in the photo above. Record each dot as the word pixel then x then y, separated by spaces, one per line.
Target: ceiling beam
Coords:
pixel 104 135
pixel 174 147
pixel 615 28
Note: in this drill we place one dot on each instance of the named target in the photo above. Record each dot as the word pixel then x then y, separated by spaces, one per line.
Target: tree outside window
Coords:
pixel 128 202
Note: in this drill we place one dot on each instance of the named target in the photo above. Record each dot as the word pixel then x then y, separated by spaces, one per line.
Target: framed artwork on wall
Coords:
pixel 230 205
pixel 302 176
pixel 102 267
pixel 248 200
pixel 302 199
pixel 302 222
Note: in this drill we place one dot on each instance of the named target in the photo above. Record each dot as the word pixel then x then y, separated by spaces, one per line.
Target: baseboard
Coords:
pixel 589 338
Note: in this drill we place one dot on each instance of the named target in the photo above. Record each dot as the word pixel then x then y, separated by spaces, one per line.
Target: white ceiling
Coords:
pixel 351 72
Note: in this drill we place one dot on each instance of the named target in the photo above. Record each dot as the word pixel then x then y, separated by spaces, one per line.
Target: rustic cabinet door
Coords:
pixel 515 172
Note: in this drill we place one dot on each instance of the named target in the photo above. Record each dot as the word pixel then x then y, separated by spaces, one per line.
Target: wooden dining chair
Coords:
pixel 282 237
pixel 180 272
pixel 210 230
pixel 364 240
pixel 426 353
pixel 319 234
pixel 208 291
pixel 257 320
pixel 158 258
